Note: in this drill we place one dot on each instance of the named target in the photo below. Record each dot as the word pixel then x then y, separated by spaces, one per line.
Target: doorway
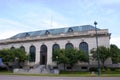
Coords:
pixel 43 55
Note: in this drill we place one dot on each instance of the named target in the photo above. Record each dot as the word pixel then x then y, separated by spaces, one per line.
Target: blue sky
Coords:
pixel 18 16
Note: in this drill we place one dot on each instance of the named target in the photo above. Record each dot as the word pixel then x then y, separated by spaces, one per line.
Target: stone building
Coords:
pixel 40 44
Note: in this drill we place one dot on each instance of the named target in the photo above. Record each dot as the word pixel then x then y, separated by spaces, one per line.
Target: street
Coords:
pixel 19 77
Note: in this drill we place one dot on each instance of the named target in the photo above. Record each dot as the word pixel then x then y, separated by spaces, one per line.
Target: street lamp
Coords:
pixel 98 56
pixel 56 61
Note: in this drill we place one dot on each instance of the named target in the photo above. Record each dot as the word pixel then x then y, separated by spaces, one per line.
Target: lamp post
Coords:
pixel 56 61
pixel 98 56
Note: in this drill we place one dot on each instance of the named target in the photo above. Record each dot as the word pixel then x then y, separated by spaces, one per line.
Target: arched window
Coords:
pixel 43 49
pixel 23 48
pixel 84 46
pixel 55 47
pixel 69 46
pixel 32 53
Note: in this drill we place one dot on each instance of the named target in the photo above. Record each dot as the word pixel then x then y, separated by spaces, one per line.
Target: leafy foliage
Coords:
pixel 69 56
pixel 9 55
pixel 104 54
pixel 115 53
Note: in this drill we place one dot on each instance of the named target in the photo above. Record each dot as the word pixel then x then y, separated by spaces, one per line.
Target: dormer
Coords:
pixel 70 30
pixel 47 32
pixel 27 34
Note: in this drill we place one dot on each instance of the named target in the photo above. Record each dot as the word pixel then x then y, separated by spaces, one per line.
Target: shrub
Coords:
pixel 93 69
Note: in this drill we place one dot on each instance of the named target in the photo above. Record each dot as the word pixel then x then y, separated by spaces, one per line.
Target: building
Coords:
pixel 40 44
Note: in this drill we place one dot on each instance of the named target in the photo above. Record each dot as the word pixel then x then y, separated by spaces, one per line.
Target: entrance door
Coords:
pixel 43 55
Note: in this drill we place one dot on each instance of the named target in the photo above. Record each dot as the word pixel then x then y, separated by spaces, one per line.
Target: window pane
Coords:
pixel 84 46
pixel 32 53
pixel 69 45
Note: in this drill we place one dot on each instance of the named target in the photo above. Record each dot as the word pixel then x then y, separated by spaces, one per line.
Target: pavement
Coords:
pixel 19 77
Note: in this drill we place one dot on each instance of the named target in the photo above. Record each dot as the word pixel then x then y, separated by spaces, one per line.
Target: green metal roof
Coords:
pixel 54 31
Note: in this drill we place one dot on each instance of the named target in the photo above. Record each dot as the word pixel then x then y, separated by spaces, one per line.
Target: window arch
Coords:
pixel 32 53
pixel 84 46
pixel 55 46
pixel 43 49
pixel 69 46
pixel 23 48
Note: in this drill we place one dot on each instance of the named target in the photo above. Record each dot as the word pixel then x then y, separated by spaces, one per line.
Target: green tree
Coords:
pixel 115 53
pixel 104 54
pixel 70 56
pixel 10 55
pixel 7 55
pixel 75 55
pixel 60 57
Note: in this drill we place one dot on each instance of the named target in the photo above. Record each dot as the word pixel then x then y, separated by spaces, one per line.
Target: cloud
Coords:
pixel 8 34
pixel 9 23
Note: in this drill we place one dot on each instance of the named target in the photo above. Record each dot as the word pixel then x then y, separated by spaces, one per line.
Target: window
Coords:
pixel 70 30
pixel 84 47
pixel 55 47
pixel 23 48
pixel 69 45
pixel 43 49
pixel 47 32
pixel 32 53
pixel 27 35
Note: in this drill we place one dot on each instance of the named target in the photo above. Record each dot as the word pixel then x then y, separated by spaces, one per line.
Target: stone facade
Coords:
pixel 62 39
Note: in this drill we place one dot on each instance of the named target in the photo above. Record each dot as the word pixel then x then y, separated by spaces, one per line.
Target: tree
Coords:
pixel 7 55
pixel 104 54
pixel 10 56
pixel 75 55
pixel 115 53
pixel 70 56
pixel 60 57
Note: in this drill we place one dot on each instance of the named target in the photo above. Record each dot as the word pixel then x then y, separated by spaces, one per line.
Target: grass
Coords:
pixel 68 74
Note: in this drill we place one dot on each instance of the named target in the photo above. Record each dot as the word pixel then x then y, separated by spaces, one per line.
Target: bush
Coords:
pixel 112 69
pixel 3 69
pixel 115 69
pixel 93 69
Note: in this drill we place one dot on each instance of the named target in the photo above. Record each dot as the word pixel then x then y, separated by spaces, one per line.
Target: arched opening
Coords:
pixel 43 55
pixel 69 46
pixel 32 53
pixel 55 47
pixel 23 48
pixel 84 47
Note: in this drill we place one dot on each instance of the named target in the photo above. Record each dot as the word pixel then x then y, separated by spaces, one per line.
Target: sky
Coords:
pixel 17 16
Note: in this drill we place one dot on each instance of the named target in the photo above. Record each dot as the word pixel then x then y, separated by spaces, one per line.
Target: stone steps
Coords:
pixel 41 69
